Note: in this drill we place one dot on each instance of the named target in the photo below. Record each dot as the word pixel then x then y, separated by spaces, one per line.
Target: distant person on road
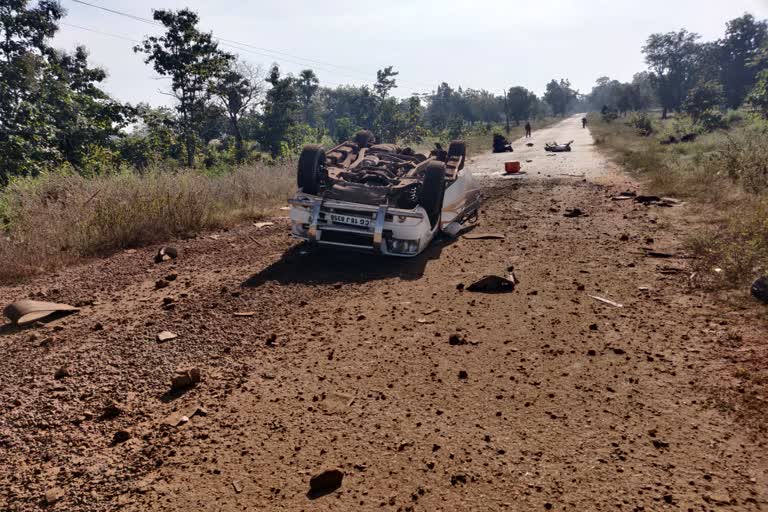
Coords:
pixel 583 122
pixel 527 129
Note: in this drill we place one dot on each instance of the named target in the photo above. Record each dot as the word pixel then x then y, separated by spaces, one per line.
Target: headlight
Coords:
pixel 398 246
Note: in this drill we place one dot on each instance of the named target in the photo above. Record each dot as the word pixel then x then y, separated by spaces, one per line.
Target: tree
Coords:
pixel 758 97
pixel 51 107
pixel 744 38
pixel 280 110
pixel 673 59
pixel 559 95
pixel 519 101
pixel 385 81
pixel 192 59
pixel 238 89
pixel 704 97
pixel 307 85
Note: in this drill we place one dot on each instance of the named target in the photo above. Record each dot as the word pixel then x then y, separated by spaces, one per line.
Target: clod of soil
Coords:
pixel 325 482
pixel 185 379
pixel 120 436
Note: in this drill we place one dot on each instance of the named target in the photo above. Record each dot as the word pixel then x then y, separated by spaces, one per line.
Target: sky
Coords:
pixel 481 44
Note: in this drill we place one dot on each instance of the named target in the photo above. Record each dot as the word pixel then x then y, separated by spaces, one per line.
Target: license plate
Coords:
pixel 350 220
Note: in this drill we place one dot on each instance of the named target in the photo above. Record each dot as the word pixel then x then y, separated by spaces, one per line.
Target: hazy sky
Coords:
pixel 490 44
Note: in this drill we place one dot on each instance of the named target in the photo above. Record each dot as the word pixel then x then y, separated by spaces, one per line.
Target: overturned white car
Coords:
pixel 379 197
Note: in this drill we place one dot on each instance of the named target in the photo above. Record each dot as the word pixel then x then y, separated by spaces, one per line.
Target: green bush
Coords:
pixel 641 122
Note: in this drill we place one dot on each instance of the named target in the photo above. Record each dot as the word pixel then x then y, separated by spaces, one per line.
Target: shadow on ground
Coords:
pixel 305 264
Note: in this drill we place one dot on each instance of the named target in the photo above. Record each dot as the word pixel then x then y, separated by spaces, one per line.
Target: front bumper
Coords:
pixel 391 231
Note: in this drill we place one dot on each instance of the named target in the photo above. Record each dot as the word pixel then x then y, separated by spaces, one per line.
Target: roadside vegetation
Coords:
pixel 701 136
pixel 724 173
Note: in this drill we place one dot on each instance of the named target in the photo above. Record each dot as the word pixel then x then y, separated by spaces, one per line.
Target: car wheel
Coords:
pixel 311 168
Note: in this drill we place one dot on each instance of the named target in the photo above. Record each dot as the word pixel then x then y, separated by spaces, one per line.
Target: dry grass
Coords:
pixel 725 173
pixel 59 218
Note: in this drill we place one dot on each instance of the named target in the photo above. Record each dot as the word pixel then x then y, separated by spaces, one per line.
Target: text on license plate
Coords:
pixel 349 219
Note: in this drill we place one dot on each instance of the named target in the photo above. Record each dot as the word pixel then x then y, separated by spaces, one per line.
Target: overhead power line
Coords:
pixel 265 52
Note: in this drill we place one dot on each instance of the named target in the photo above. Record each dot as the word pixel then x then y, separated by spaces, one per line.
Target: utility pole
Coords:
pixel 506 110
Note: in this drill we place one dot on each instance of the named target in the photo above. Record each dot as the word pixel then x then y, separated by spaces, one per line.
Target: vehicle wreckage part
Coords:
pixel 28 311
pixel 433 191
pixel 311 168
pixel 458 148
pixel 373 231
pixel 396 245
pixel 364 138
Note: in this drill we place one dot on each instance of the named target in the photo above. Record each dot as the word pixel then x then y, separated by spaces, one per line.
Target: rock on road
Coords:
pixel 548 399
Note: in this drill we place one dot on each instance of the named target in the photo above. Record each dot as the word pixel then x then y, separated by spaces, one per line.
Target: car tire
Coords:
pixel 458 148
pixel 311 168
pixel 433 191
pixel 364 138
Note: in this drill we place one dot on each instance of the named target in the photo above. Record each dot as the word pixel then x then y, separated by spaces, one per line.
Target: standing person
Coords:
pixel 527 129
pixel 583 122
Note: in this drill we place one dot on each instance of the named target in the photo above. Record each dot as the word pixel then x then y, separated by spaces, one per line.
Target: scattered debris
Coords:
pixel 260 225
pixel 607 301
pixel 670 270
pixel 53 495
pixel 61 373
pixel 457 339
pixel 759 289
pixel 554 147
pixel 165 254
pixel 164 336
pixel 574 212
pixel 688 137
pixel 484 236
pixel 325 483
pixel 492 284
pixel 237 486
pixel 185 379
pixel 657 254
pixel 501 144
pixel 459 478
pixel 27 311
pixel 183 415
pixel 120 436
pixel 111 411
pixel 647 199
pixel 512 167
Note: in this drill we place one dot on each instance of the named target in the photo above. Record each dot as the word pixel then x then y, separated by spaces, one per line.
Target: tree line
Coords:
pixel 700 79
pixel 54 112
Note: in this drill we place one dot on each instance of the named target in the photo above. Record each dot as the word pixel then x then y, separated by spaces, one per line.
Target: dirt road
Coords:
pixel 546 399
